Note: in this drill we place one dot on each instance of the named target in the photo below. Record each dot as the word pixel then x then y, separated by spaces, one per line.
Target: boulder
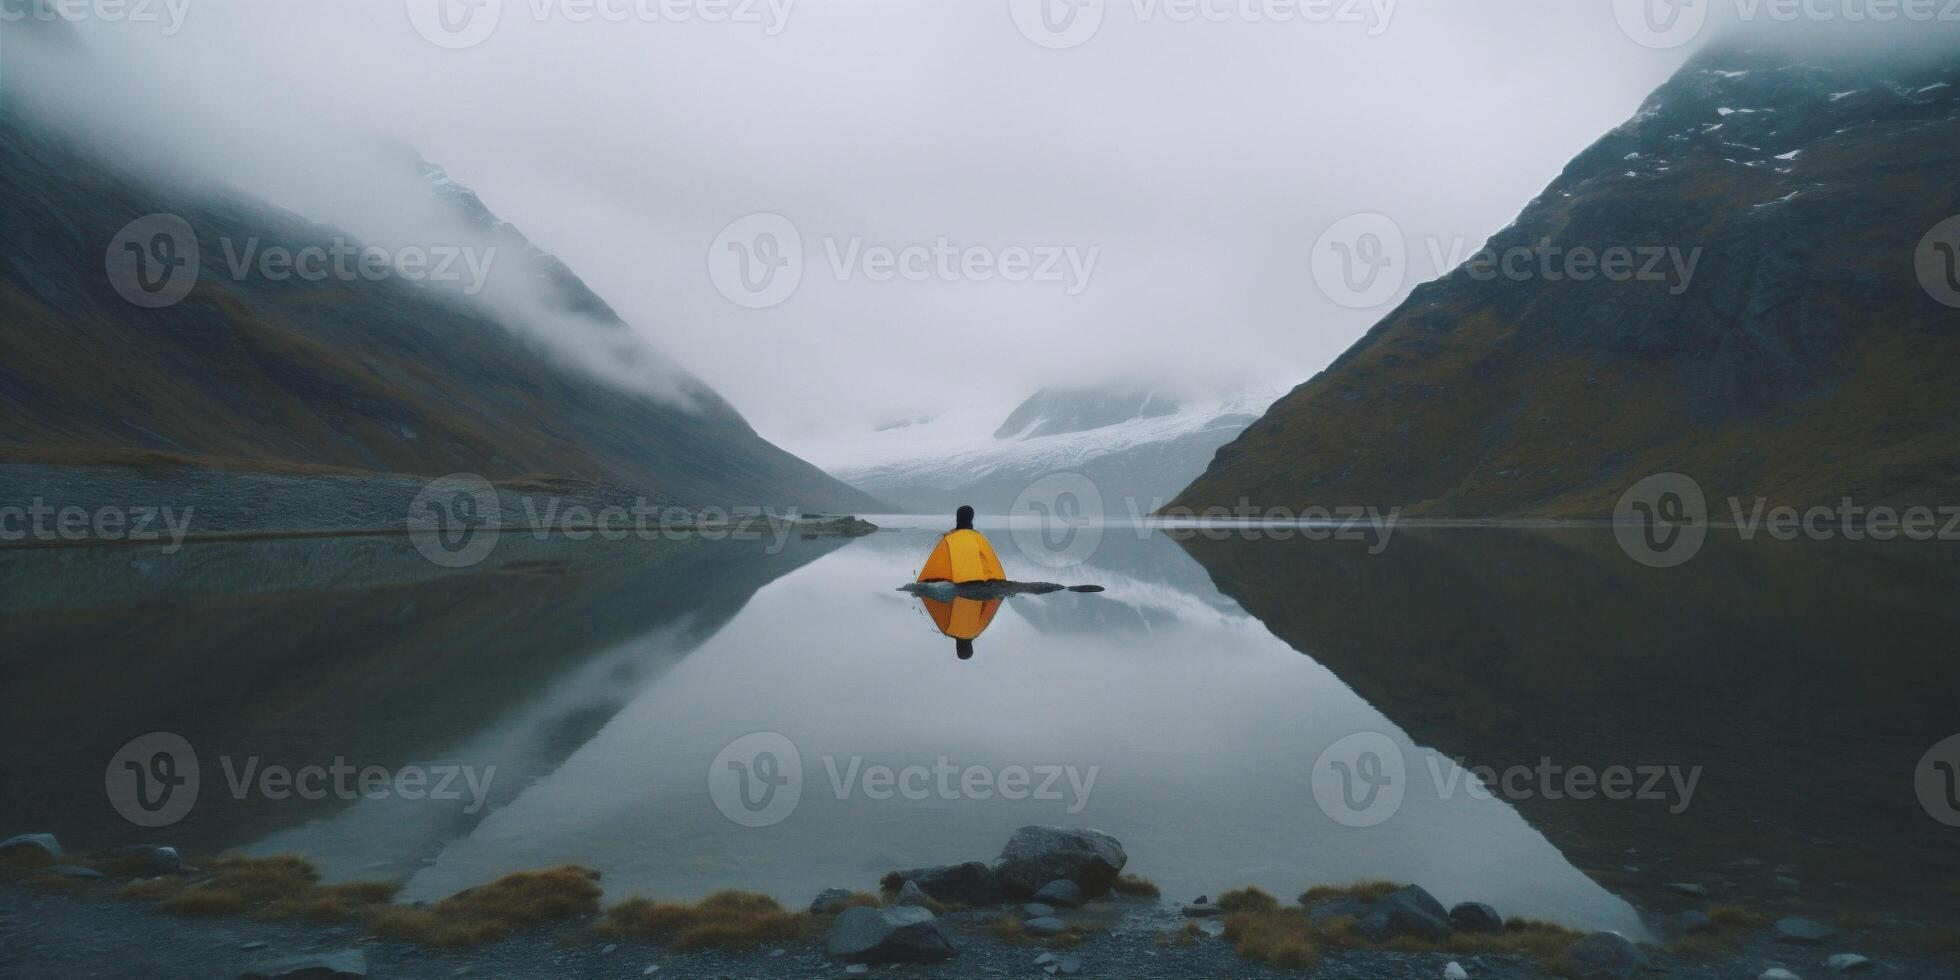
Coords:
pixel 1203 910
pixel 912 894
pixel 1847 962
pixel 1475 917
pixel 45 843
pixel 1047 925
pixel 1455 971
pixel 71 871
pixel 1068 966
pixel 1345 906
pixel 1035 856
pixel 1694 923
pixel 1604 956
pixel 1802 932
pixel 346 964
pixel 1061 893
pixel 903 934
pixel 1035 910
pixel 830 900
pixel 1688 888
pixel 1409 912
pixel 1777 973
pixel 971 883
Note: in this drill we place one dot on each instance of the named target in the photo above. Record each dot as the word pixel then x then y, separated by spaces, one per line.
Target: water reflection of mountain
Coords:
pixel 1807 678
pixel 551 636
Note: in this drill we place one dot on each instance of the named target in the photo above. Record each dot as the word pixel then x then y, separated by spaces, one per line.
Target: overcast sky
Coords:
pixel 1196 164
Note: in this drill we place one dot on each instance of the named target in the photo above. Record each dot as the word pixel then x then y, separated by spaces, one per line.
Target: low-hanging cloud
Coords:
pixel 1198 149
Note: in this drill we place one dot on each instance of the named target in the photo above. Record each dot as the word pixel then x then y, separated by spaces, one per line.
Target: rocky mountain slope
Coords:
pixel 1139 446
pixel 1802 358
pixel 342 374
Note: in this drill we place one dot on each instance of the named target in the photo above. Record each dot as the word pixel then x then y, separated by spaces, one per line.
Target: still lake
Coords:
pixel 1235 709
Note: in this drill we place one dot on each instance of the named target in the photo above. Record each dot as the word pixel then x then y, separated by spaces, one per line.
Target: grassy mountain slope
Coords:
pixel 1803 360
pixel 346 375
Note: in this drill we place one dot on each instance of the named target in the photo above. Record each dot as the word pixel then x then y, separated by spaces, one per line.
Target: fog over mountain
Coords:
pixel 1196 163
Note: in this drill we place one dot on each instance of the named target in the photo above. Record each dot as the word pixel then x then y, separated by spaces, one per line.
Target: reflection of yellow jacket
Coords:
pixel 961 557
pixel 962 619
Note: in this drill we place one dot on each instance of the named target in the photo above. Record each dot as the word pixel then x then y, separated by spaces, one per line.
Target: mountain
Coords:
pixel 346 373
pixel 1801 359
pixel 1138 445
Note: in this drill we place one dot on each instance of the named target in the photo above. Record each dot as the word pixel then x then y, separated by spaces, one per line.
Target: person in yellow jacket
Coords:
pixel 963 556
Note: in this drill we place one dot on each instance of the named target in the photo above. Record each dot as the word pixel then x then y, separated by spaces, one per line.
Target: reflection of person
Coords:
pixel 962 619
pixel 962 556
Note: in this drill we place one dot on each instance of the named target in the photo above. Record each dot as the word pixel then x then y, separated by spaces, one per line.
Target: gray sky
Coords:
pixel 1200 161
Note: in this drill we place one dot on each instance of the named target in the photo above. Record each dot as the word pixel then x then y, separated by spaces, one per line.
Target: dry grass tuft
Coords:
pixel 724 920
pixel 1370 890
pixel 1286 938
pixel 1135 886
pixel 1181 937
pixel 1008 928
pixel 281 886
pixel 1248 899
pixel 491 912
pixel 1280 939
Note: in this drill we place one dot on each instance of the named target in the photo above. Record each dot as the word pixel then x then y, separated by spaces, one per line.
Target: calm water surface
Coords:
pixel 1183 711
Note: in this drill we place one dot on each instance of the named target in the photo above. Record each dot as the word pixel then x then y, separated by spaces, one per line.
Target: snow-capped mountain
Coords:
pixel 1139 446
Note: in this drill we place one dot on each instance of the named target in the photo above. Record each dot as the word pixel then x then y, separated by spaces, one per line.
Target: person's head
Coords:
pixel 964 519
pixel 964 648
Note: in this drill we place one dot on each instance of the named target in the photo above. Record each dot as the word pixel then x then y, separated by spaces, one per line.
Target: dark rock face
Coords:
pixel 1605 956
pixel 906 934
pixel 971 883
pixel 346 964
pixel 1409 912
pixel 1802 932
pixel 45 843
pixel 1786 359
pixel 1475 917
pixel 1035 856
pixel 829 900
pixel 1061 893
